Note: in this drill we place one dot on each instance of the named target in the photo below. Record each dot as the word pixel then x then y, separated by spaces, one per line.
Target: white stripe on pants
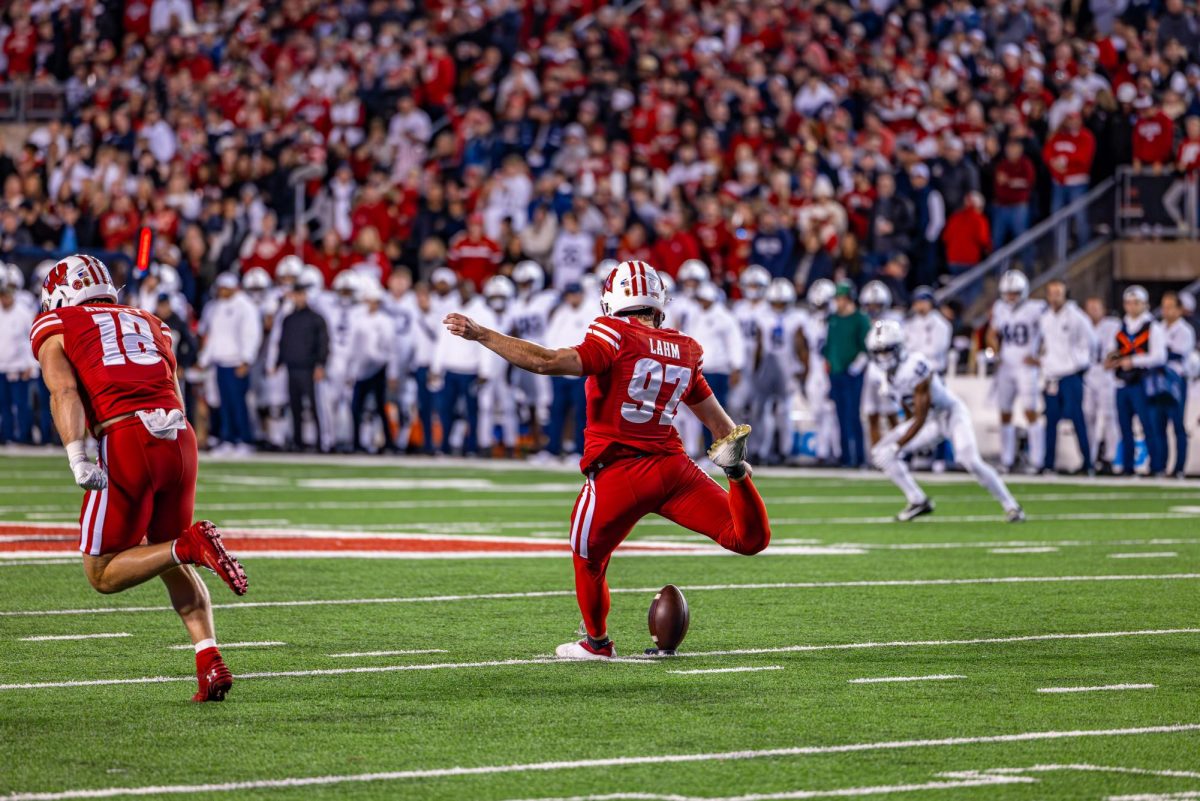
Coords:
pixel 581 525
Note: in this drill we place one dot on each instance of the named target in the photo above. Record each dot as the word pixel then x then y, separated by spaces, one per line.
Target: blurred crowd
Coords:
pixel 387 143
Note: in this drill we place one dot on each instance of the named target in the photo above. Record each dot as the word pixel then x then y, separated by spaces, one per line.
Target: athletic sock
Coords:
pixel 1008 444
pixel 598 645
pixel 898 472
pixel 737 472
pixel 1037 445
pixel 591 591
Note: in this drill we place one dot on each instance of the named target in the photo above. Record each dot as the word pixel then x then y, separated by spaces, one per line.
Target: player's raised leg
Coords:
pixel 962 436
pixel 888 457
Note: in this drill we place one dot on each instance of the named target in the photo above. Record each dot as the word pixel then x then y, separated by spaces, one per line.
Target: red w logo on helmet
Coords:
pixel 56 277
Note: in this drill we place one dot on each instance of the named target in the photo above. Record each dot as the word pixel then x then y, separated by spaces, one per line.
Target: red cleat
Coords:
pixel 214 679
pixel 201 545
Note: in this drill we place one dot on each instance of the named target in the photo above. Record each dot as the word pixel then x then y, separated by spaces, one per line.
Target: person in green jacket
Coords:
pixel 845 355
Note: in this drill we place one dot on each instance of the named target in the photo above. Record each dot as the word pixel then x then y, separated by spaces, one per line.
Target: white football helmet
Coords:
pixel 346 282
pixel 498 291
pixel 368 290
pixel 605 268
pixel 754 281
pixel 256 279
pixel 668 285
pixel 76 280
pixel 693 270
pixel 876 293
pixel 312 277
pixel 633 285
pixel 709 292
pixel 290 268
pixel 821 293
pixel 885 343
pixel 168 278
pixel 13 277
pixel 1014 282
pixel 529 272
pixel 782 292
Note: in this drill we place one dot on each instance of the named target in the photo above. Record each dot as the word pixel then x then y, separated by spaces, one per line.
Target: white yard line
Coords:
pixel 1024 549
pixel 1144 555
pixel 641 660
pixel 355 654
pixel 19 562
pixel 54 637
pixel 494 596
pixel 224 645
pixel 726 670
pixel 606 762
pixel 1100 688
pixel 983 780
pixel 891 679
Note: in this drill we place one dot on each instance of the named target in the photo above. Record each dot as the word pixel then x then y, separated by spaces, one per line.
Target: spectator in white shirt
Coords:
pixel 574 252
pixel 170 16
pixel 232 334
pixel 1066 347
pixel 17 366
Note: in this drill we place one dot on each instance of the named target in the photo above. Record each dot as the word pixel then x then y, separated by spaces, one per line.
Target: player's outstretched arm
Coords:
pixel 920 412
pixel 519 352
pixel 69 417
pixel 714 417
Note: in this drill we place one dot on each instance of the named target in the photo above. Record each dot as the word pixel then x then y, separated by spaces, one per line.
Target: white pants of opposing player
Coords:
pixel 1013 383
pixel 534 392
pixel 953 424
pixel 333 410
pixel 827 443
pixel 497 404
pixel 1100 413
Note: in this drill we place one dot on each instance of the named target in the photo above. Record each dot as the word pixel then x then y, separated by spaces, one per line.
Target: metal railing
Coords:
pixel 32 102
pixel 1046 248
pixel 1161 205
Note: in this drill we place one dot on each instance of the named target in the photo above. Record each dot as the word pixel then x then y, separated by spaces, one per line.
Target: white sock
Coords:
pixel 898 472
pixel 173 554
pixel 1037 444
pixel 991 481
pixel 209 643
pixel 1008 444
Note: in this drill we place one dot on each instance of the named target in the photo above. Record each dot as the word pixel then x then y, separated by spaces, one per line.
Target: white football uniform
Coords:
pixel 497 400
pixel 775 383
pixel 1019 334
pixel 877 396
pixel 929 335
pixel 334 393
pixel 529 318
pixel 1100 392
pixel 827 443
pixel 680 313
pixel 749 314
pixel 948 419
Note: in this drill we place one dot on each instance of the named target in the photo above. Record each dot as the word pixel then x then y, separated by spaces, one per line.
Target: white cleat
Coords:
pixel 729 452
pixel 1015 515
pixel 581 650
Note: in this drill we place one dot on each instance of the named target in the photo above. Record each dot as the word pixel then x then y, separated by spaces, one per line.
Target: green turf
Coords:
pixel 143 735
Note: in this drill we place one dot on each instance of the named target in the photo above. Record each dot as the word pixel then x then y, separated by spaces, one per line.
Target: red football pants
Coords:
pixel 151 491
pixel 617 496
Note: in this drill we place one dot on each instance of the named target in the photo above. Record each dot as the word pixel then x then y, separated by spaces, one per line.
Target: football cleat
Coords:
pixel 203 541
pixel 583 650
pixel 729 452
pixel 215 681
pixel 1016 515
pixel 915 510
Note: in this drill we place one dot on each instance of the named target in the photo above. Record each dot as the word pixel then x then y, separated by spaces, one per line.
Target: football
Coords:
pixel 668 619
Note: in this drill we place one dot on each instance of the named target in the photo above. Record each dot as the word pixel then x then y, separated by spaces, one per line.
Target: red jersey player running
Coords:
pixel 110 369
pixel 633 460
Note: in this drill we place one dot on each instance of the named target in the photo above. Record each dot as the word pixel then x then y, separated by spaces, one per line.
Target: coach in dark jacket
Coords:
pixel 303 350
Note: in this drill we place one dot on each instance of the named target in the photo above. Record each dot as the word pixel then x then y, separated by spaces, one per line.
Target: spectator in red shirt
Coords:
pixel 1187 157
pixel 331 258
pixel 673 246
pixel 1153 135
pixel 1013 191
pixel 119 224
pixel 1069 153
pixel 967 236
pixel 20 48
pixel 472 255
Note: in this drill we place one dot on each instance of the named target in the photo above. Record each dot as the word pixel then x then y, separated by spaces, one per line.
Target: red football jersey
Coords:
pixel 637 377
pixel 122 357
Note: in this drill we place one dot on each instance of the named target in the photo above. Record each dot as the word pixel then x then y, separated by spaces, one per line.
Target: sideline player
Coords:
pixel 111 371
pixel 1014 333
pixel 934 414
pixel 634 463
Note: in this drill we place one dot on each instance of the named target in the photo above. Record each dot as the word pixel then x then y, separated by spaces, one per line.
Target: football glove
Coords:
pixel 88 474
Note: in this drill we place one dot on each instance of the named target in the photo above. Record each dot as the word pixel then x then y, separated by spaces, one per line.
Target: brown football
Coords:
pixel 668 618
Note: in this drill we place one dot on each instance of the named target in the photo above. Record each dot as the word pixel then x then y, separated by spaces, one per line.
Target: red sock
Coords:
pixel 591 590
pixel 751 527
pixel 205 658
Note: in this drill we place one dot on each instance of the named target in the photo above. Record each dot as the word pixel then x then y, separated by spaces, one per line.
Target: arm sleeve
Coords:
pixel 44 327
pixel 599 347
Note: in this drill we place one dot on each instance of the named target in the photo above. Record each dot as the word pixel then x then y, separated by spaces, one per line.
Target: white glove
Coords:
pixel 88 475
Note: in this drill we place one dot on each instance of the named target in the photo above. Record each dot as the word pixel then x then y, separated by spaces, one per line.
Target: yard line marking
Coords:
pixel 605 762
pixel 980 780
pixel 1100 688
pixel 851 646
pixel 1144 555
pixel 19 562
pixel 1025 549
pixel 224 645
pixel 641 660
pixel 1080 767
pixel 355 654
pixel 496 596
pixel 889 679
pixel 726 670
pixel 49 637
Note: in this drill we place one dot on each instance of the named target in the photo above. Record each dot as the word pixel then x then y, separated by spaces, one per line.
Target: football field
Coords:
pixel 396 641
